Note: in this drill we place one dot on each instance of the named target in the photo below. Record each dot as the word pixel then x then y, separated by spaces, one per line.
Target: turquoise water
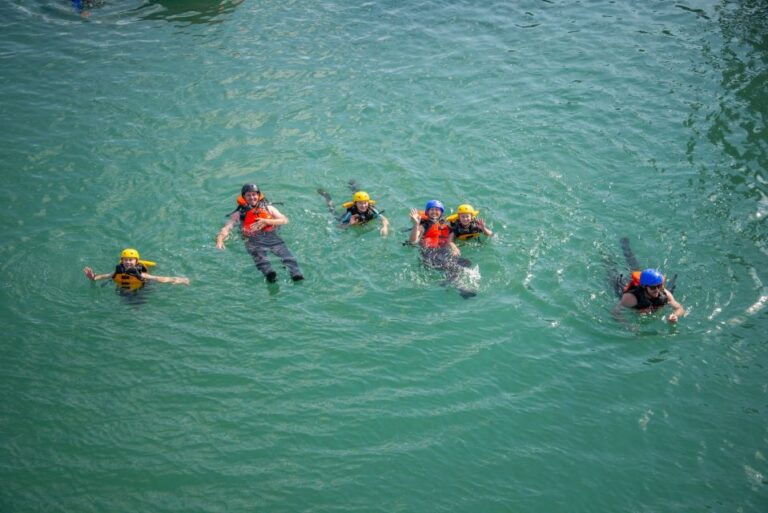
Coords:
pixel 370 387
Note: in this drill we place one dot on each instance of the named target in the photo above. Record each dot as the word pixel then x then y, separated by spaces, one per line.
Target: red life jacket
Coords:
pixel 436 234
pixel 253 215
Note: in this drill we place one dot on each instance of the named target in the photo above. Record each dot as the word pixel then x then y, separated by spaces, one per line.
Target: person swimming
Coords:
pixel 131 273
pixel 359 211
pixel 437 250
pixel 644 291
pixel 466 225
pixel 259 221
pixel 648 295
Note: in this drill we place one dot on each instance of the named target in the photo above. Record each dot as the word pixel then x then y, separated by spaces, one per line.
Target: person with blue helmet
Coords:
pixel 430 230
pixel 649 295
pixel 434 236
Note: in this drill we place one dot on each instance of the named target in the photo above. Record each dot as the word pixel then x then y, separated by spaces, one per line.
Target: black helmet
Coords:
pixel 249 187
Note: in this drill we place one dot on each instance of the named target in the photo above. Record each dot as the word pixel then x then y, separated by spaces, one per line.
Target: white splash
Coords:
pixel 757 306
pixel 645 419
pixel 470 277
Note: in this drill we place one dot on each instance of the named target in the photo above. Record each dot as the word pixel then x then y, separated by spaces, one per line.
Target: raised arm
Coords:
pixel 416 230
pixel 95 277
pixel 486 230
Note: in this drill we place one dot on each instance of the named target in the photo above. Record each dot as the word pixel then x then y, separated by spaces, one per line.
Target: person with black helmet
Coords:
pixel 259 221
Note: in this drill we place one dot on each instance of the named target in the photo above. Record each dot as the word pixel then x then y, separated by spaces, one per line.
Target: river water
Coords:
pixel 370 386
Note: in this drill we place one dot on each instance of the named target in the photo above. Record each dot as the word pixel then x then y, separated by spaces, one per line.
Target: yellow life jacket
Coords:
pixel 130 278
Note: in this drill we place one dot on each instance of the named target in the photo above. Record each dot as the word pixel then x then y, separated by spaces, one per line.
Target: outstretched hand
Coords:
pixel 89 273
pixel 415 216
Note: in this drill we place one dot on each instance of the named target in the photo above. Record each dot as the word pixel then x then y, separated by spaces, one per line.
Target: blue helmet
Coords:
pixel 651 277
pixel 434 204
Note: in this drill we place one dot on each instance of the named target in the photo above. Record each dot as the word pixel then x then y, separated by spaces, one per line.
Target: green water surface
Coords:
pixel 370 386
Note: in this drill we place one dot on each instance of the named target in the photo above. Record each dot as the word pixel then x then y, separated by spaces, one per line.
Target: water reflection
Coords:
pixel 732 173
pixel 187 12
pixel 736 126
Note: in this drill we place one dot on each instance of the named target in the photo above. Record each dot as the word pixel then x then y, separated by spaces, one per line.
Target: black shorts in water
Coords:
pixel 260 244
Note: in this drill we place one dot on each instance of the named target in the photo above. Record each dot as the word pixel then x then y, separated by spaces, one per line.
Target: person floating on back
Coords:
pixel 436 247
pixel 361 210
pixel 466 225
pixel 259 221
pixel 132 273
pixel 646 293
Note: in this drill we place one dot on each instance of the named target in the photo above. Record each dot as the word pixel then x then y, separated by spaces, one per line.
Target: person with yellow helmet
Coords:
pixel 361 210
pixel 259 221
pixel 466 225
pixel 131 273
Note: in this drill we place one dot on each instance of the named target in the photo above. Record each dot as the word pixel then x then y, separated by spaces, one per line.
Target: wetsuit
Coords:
pixel 435 253
pixel 260 243
pixel 267 240
pixel 644 302
pixel 461 232
pixel 363 217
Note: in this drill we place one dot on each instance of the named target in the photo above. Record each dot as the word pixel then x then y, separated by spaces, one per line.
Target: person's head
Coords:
pixel 434 209
pixel 466 214
pixel 251 193
pixel 362 201
pixel 129 257
pixel 653 281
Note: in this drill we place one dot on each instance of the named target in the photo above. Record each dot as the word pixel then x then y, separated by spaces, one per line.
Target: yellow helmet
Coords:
pixel 129 253
pixel 466 209
pixel 361 196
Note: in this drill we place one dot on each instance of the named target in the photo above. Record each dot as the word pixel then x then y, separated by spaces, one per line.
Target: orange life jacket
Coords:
pixel 436 234
pixel 253 215
pixel 634 282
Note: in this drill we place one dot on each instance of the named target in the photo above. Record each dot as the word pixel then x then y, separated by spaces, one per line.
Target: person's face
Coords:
pixel 362 206
pixel 251 197
pixel 653 290
pixel 129 262
pixel 465 219
pixel 434 213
